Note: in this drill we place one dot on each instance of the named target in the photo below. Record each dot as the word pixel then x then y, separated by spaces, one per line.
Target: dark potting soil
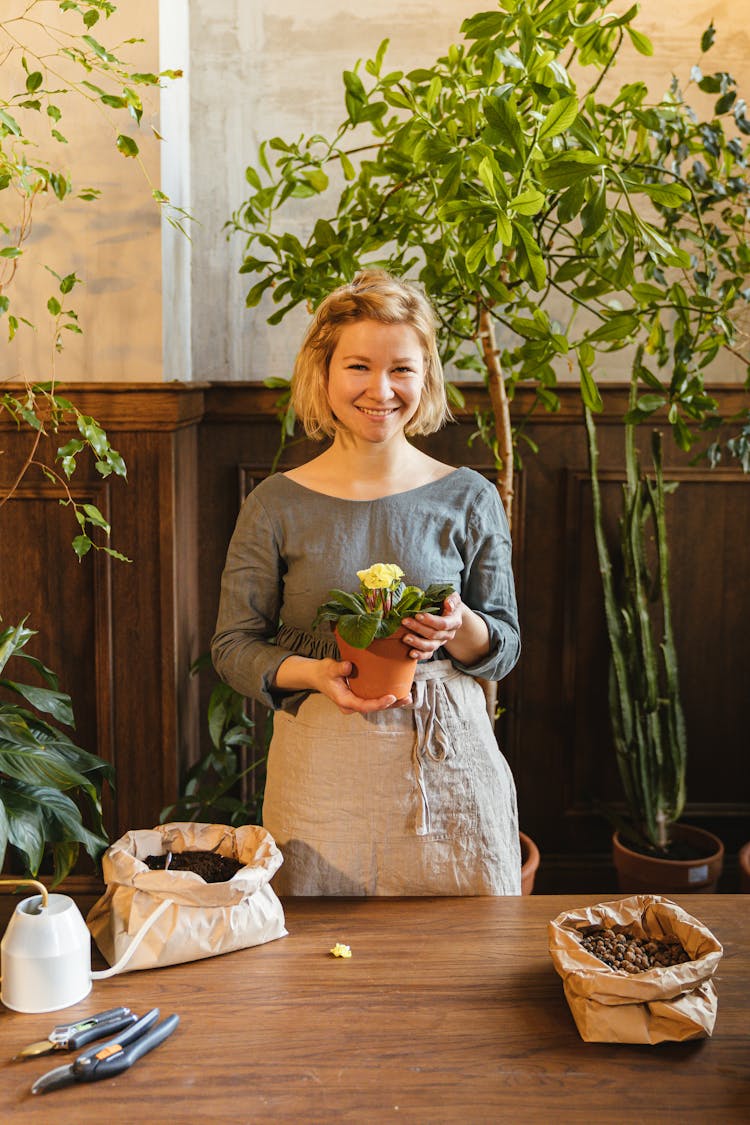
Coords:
pixel 678 849
pixel 211 866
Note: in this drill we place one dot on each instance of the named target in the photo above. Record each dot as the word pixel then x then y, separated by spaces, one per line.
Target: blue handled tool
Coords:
pixel 112 1057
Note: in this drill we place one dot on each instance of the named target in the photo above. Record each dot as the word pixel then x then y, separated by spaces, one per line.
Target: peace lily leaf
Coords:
pixel 54 703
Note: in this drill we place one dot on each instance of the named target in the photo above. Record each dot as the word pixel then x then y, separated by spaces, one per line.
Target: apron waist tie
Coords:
pixel 429 704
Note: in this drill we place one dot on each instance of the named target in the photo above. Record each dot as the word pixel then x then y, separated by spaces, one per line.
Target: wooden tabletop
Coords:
pixel 448 1010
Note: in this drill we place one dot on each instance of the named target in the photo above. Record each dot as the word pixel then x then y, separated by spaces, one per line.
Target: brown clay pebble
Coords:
pixel 211 866
pixel 623 952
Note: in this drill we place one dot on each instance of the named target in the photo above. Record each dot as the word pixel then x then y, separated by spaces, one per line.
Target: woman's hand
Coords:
pixel 331 681
pixel 427 632
pixel 463 633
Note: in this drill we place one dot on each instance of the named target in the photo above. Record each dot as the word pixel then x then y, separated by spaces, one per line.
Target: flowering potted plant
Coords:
pixel 368 628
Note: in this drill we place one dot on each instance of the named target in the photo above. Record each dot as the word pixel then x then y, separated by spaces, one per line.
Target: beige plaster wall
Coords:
pixel 254 68
pixel 113 244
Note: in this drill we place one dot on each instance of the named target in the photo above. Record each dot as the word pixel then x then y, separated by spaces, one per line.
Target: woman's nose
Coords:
pixel 379 384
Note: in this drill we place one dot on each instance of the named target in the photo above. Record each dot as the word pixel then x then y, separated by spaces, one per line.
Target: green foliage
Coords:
pixel 211 787
pixel 58 64
pixel 45 779
pixel 645 709
pixel 46 412
pixel 361 619
pixel 504 181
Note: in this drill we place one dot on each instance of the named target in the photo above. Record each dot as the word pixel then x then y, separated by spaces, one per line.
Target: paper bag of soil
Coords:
pixel 147 918
pixel 673 1002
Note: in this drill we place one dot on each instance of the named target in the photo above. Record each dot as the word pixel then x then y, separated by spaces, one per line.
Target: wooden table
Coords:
pixel 448 1010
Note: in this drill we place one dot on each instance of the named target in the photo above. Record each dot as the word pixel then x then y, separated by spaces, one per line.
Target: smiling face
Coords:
pixel 375 378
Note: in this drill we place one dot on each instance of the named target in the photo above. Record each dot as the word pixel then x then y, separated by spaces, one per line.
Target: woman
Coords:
pixel 378 796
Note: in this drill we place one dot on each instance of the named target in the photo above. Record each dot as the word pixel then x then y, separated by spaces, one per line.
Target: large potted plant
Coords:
pixel 652 850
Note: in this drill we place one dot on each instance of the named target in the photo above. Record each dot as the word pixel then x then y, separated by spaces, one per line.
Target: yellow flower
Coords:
pixel 381 576
pixel 340 950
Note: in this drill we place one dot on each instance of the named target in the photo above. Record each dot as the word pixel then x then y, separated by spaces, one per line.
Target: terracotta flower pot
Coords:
pixel 383 668
pixel 650 874
pixel 529 863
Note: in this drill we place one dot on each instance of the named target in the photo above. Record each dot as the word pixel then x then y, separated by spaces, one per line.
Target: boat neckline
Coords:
pixel 374 499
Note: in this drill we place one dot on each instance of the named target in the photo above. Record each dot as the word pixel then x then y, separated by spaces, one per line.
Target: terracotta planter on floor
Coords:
pixel 642 873
pixel 529 863
pixel 383 668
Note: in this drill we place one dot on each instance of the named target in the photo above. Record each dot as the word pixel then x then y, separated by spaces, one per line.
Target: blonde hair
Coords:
pixel 371 295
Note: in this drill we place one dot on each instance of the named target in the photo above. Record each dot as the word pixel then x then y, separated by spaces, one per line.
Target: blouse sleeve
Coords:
pixel 243 648
pixel 488 586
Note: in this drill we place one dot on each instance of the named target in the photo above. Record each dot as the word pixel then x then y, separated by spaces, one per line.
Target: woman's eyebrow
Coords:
pixel 367 359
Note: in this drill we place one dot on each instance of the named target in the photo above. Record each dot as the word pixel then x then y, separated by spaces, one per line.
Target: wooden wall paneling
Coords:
pixel 66 601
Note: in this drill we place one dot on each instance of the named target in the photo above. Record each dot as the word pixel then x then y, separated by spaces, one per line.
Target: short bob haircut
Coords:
pixel 371 295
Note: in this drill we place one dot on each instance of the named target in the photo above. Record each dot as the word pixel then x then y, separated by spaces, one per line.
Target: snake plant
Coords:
pixel 648 723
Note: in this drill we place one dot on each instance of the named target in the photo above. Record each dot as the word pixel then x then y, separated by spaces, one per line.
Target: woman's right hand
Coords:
pixel 331 676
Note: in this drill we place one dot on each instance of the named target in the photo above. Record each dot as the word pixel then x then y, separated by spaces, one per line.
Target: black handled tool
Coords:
pixel 112 1057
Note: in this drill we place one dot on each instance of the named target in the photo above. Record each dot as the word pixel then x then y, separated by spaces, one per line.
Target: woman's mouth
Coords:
pixel 381 413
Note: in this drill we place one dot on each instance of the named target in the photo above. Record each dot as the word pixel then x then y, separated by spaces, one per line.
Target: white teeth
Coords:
pixel 376 413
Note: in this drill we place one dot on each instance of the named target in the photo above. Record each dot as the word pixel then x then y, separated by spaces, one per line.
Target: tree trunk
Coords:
pixel 504 438
pixel 501 411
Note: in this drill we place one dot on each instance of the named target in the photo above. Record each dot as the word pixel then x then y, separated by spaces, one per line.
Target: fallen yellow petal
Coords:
pixel 340 950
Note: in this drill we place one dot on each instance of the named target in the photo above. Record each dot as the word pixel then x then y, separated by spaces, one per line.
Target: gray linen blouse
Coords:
pixel 292 545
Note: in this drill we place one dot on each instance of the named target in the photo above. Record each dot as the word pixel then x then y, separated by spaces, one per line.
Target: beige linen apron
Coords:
pixel 409 801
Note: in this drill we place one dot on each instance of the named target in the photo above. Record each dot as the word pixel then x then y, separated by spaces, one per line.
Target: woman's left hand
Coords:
pixel 426 632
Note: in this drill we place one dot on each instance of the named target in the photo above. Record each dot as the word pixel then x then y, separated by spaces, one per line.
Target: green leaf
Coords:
pixel 669 195
pixel 640 41
pixel 359 630
pixel 560 117
pixel 617 327
pixel 98 49
pixel 95 517
pixel 54 307
pixel 55 703
pixel 253 178
pixel 531 265
pixel 126 145
pixel 570 167
pixel 10 123
pixel 82 545
pixel 475 254
pixel 34 81
pixel 708 36
pixel 589 390
pixel 529 202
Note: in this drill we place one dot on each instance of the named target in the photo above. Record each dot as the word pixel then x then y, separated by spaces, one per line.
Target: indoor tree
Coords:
pixel 531 206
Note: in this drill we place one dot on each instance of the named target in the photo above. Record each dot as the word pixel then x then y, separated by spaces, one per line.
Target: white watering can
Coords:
pixel 45 954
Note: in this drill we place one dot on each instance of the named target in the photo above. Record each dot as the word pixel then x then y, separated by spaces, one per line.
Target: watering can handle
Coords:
pixel 118 966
